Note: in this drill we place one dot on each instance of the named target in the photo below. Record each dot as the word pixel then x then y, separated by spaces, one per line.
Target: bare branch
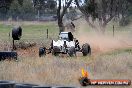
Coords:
pixel 80 8
pixel 65 8
pixel 107 20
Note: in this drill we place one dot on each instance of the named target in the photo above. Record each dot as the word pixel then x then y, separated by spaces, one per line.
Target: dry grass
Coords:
pixel 63 70
pixel 112 65
pixel 48 70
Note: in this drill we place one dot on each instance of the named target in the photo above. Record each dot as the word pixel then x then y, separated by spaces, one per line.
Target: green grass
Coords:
pixel 31 32
pixel 4 31
pixel 39 32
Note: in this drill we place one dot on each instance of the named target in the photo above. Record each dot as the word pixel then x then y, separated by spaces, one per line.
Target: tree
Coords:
pixel 15 10
pixel 44 6
pixel 60 13
pixel 5 6
pixel 27 10
pixel 7 3
pixel 24 12
pixel 101 12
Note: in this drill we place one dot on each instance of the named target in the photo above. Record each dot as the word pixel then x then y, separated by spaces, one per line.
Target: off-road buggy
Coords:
pixel 66 44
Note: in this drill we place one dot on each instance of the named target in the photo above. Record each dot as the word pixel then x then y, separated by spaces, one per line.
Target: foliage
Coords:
pixel 26 9
pixel 4 7
pixel 15 9
pixel 124 21
pixel 24 12
pixel 45 6
pixel 103 11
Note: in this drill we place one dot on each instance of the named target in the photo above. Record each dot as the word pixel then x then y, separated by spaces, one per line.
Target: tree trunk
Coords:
pixel 61 26
pixel 61 14
pixel 38 15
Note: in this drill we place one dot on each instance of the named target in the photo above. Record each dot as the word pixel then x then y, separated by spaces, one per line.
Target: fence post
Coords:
pixel 13 45
pixel 9 42
pixel 113 31
pixel 47 33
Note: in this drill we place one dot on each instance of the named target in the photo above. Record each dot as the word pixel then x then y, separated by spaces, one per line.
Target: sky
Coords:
pixel 73 4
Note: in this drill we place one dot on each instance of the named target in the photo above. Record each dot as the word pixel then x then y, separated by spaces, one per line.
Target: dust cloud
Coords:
pixel 101 43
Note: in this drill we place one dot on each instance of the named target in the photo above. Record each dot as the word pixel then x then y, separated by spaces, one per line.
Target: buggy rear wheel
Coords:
pixel 86 49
